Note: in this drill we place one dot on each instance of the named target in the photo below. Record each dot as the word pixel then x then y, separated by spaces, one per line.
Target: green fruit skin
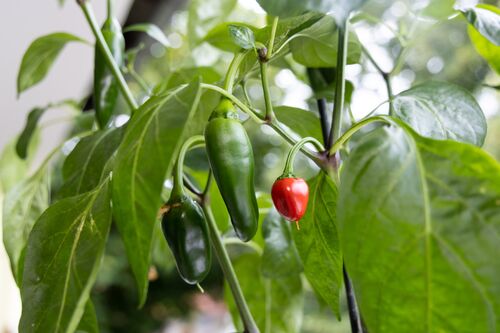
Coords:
pixel 106 88
pixel 185 229
pixel 231 158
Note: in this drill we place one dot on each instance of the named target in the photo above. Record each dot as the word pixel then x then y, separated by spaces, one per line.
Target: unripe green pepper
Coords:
pixel 185 229
pixel 106 87
pixel 231 159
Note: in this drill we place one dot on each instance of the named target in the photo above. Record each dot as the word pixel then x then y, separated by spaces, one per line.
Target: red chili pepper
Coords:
pixel 290 196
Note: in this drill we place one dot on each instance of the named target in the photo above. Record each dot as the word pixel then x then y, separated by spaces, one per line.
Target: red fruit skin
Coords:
pixel 290 197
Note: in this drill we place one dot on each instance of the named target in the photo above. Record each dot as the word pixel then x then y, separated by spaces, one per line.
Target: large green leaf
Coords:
pixel 88 323
pixel 84 168
pixel 63 256
pixel 23 205
pixel 303 122
pixel 280 258
pixel 40 56
pixel 186 75
pixel 483 46
pixel 486 20
pixel 442 111
pixel 318 241
pixel 276 304
pixel 146 156
pixel 316 46
pixel 420 224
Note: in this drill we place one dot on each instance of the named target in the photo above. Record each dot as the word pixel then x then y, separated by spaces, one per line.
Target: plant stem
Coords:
pixel 265 88
pixel 354 316
pixel 288 170
pixel 178 174
pixel 232 71
pixel 324 120
pixel 356 127
pixel 273 35
pixel 101 42
pixel 230 275
pixel 338 110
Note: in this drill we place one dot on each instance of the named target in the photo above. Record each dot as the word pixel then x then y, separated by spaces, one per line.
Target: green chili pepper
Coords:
pixel 231 159
pixel 185 228
pixel 106 88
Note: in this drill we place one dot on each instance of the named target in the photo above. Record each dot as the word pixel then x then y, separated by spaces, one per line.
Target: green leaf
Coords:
pixel 40 56
pixel 316 46
pixel 22 206
pixel 486 20
pixel 242 36
pixel 84 168
pixel 25 137
pixel 488 50
pixel 276 304
pixel 318 241
pixel 88 323
pixel 151 30
pixel 63 256
pixel 220 37
pixel 186 75
pixel 12 168
pixel 323 83
pixel 303 122
pixel 420 225
pixel 439 9
pixel 280 258
pixel 144 159
pixel 441 110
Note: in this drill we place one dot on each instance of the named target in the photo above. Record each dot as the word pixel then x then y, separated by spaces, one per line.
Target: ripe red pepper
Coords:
pixel 290 196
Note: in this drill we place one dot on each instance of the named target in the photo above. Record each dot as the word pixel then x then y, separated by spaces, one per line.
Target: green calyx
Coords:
pixel 225 109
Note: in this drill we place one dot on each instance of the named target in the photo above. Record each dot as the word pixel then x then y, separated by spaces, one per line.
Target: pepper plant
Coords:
pixel 403 212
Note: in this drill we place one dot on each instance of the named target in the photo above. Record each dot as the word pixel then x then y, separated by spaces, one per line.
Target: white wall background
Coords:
pixel 22 21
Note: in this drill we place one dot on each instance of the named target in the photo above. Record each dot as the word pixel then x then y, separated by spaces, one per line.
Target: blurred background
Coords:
pixel 439 48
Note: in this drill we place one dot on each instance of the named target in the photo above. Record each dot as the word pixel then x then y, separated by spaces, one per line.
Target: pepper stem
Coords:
pixel 297 225
pixel 178 188
pixel 288 170
pixel 232 71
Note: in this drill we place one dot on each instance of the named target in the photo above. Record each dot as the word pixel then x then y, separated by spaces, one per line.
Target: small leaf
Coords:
pixel 84 168
pixel 144 159
pixel 442 111
pixel 486 20
pixel 21 208
pixel 31 124
pixel 303 122
pixel 221 38
pixel 152 30
pixel 416 214
pixel 40 56
pixel 318 241
pixel 242 36
pixel 280 257
pixel 63 256
pixel 316 46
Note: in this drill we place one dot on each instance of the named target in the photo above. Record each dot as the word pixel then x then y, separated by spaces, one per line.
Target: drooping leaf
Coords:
pixel 146 156
pixel 25 137
pixel 488 50
pixel 276 304
pixel 318 241
pixel 442 111
pixel 303 122
pixel 84 168
pixel 22 206
pixel 280 258
pixel 486 20
pixel 420 223
pixel 242 36
pixel 220 37
pixel 88 323
pixel 151 30
pixel 40 56
pixel 316 46
pixel 63 256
